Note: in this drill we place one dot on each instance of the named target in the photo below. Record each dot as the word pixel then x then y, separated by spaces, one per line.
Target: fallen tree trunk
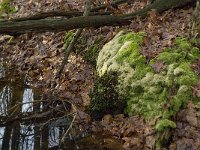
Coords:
pixel 160 6
pixel 43 25
pixel 43 15
pixel 59 13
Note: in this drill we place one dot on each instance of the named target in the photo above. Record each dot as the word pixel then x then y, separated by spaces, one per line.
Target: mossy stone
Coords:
pixel 148 92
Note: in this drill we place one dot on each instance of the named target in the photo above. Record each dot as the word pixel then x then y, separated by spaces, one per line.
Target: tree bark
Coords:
pixel 60 13
pixel 43 25
pixel 11 27
pixel 43 15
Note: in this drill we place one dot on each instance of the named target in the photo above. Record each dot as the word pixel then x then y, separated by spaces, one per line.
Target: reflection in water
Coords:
pixel 27 122
pixel 2 70
pixel 4 97
pixel 27 137
pixel 27 100
pixel 17 100
pixel 1 135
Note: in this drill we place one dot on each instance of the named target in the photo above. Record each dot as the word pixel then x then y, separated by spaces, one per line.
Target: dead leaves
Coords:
pixel 132 143
pixel 196 90
pixel 158 66
pixel 187 133
pixel 41 54
pixel 131 130
pixel 196 67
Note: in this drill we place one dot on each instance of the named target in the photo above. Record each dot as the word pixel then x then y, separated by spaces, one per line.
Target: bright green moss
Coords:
pixel 181 52
pixel 158 96
pixel 141 70
pixel 188 76
pixel 136 37
pixel 195 51
pixel 186 80
pixel 195 54
pixel 150 94
pixel 137 60
pixel 165 123
pixel 68 37
pixel 128 54
pixel 169 57
pixel 183 44
pixel 147 97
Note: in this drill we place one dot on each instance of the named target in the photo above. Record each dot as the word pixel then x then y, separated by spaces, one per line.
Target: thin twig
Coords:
pixel 71 124
pixel 67 52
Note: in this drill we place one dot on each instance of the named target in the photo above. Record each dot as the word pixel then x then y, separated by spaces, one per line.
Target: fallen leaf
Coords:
pixel 158 66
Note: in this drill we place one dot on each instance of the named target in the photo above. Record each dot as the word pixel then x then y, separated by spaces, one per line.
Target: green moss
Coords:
pixel 104 97
pixel 129 53
pixel 195 54
pixel 148 93
pixel 167 114
pixel 184 94
pixel 5 7
pixel 162 124
pixel 141 70
pixel 131 36
pixel 182 44
pixel 188 76
pixel 169 57
pixel 181 52
pixel 91 53
pixel 153 95
pixel 68 37
pixel 137 60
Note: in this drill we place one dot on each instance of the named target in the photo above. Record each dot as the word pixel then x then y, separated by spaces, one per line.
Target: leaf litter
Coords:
pixel 39 55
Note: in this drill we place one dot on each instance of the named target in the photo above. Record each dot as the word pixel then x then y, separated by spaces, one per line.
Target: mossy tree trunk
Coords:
pixel 43 25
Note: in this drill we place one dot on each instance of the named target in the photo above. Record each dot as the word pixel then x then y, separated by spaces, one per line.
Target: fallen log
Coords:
pixel 12 27
pixel 43 15
pixel 60 13
pixel 54 25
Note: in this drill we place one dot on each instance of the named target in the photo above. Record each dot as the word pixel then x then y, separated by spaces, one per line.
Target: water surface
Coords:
pixel 28 121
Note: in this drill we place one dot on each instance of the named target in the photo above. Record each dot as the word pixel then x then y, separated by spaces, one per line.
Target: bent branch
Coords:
pixel 43 25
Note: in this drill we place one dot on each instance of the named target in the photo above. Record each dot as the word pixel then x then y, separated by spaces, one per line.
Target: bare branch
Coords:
pixel 73 41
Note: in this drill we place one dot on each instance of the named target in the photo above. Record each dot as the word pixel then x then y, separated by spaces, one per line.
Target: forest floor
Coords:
pixel 39 55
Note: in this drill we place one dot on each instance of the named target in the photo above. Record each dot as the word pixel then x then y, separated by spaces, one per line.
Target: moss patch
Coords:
pixel 5 7
pixel 148 93
pixel 68 37
pixel 165 123
pixel 104 97
pixel 91 53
